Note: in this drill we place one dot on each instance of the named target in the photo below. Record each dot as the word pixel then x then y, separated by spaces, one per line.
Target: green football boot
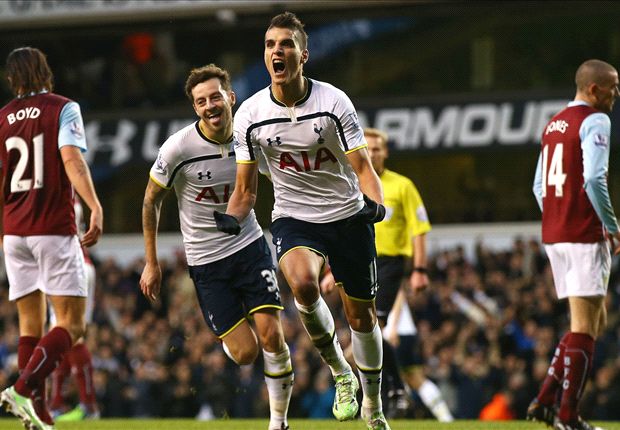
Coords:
pixel 345 402
pixel 23 409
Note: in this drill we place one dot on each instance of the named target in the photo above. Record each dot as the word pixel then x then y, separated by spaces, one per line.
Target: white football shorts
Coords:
pixel 91 280
pixel 53 264
pixel 580 269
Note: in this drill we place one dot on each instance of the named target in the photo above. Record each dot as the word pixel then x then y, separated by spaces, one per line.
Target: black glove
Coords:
pixel 226 223
pixel 372 212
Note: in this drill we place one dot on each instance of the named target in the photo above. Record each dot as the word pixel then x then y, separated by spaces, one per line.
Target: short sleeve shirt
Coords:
pixel 202 173
pixel 38 196
pixel 305 149
pixel 405 216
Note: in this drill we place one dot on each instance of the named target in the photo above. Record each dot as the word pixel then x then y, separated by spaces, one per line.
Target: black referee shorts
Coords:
pixel 390 273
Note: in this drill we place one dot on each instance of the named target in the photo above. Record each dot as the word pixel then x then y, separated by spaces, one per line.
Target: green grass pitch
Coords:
pixel 295 424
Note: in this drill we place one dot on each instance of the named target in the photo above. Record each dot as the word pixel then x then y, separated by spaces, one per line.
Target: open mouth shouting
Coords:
pixel 278 67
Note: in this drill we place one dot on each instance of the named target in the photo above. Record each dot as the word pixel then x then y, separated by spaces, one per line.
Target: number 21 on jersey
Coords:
pixel 554 176
pixel 18 184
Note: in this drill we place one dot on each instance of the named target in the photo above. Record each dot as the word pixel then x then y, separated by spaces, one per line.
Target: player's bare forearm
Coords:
pixel 419 250
pixel 240 204
pixel 243 197
pixel 370 184
pixel 419 278
pixel 151 208
pixel 79 175
pixel 150 281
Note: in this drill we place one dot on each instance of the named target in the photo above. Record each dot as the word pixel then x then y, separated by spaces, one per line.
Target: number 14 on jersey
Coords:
pixel 554 176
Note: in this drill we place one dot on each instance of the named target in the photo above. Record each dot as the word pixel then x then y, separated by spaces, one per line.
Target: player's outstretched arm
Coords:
pixel 79 174
pixel 244 196
pixel 150 281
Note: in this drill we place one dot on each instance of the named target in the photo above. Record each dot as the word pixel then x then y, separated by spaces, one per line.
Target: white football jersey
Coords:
pixel 305 148
pixel 202 173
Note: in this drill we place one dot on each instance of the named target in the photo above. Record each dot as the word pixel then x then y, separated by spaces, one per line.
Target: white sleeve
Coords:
pixel 537 186
pixel 164 169
pixel 595 142
pixel 350 132
pixel 71 127
pixel 246 151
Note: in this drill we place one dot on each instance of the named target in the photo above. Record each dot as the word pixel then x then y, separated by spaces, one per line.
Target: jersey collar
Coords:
pixel 578 103
pixel 204 136
pixel 33 93
pixel 298 102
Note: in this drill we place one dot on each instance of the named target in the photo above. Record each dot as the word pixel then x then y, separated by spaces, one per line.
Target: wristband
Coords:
pixel 420 269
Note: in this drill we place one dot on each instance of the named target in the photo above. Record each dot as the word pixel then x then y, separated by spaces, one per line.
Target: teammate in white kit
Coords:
pixel 234 276
pixel 309 134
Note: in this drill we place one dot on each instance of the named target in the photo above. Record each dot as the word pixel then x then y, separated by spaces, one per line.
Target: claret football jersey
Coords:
pixel 38 196
pixel 305 149
pixel 568 214
pixel 202 173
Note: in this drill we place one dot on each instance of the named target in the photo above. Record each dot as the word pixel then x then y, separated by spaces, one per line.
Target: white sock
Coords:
pixel 319 323
pixel 279 379
pixel 368 355
pixel 431 397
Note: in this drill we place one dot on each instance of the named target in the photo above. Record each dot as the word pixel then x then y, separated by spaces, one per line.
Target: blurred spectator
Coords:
pixel 143 73
pixel 146 357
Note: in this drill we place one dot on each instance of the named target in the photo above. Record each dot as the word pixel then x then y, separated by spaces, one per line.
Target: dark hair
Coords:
pixel 289 20
pixel 27 71
pixel 204 73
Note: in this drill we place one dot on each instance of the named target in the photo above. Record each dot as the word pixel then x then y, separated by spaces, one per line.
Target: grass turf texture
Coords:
pixel 295 424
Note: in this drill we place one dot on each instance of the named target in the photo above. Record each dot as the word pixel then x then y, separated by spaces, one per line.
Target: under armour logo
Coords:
pixel 202 175
pixel 286 385
pixel 277 142
pixel 371 381
pixel 318 131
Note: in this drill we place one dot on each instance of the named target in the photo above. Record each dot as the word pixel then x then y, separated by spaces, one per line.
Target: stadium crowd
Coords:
pixel 487 327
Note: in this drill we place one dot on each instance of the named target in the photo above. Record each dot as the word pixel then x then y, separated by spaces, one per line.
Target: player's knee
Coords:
pixel 247 355
pixel 271 338
pixel 306 289
pixel 361 317
pixel 242 354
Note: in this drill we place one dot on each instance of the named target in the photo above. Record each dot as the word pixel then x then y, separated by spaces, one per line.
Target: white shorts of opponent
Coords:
pixel 580 269
pixel 90 298
pixel 52 264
